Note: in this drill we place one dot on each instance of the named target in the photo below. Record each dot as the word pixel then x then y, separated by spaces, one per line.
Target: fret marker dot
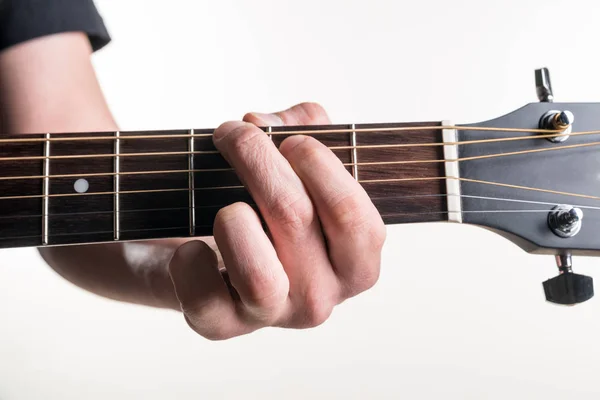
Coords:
pixel 81 185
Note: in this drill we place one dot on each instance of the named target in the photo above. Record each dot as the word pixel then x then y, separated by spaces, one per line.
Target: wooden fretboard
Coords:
pixel 143 185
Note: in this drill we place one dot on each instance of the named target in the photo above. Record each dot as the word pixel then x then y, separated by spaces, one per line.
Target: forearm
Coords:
pixel 49 85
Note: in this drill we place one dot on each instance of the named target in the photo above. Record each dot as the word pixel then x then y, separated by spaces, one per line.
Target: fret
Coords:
pixel 408 201
pixel 117 184
pixel 80 218
pixel 21 220
pixel 192 197
pixel 46 186
pixel 158 214
pixel 213 190
pixel 269 132
pixel 354 150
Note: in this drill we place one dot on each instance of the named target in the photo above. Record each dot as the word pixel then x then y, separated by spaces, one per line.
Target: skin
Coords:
pixel 324 238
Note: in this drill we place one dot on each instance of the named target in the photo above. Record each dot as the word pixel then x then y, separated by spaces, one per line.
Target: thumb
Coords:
pixel 301 114
pixel 195 274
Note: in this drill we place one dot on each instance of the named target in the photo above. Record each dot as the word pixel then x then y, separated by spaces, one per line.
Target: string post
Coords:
pixel 565 221
pixel 561 121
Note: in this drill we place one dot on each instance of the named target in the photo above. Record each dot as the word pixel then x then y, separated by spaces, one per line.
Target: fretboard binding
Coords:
pixel 46 191
pixel 191 184
pixel 117 187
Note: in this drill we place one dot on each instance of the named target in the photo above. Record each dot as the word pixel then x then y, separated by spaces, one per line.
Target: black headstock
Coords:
pixel 544 194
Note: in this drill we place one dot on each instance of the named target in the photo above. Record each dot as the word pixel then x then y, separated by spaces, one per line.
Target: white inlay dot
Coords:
pixel 81 185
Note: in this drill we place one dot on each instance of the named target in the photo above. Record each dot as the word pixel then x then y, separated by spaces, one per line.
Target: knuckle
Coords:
pixel 317 309
pixel 231 213
pixel 314 111
pixel 244 137
pixel 377 234
pixel 237 135
pixel 266 296
pixel 295 212
pixel 348 215
pixel 364 280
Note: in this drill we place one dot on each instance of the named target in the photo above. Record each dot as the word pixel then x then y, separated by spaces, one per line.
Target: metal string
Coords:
pixel 215 152
pixel 211 226
pixel 218 206
pixel 370 181
pixel 363 164
pixel 282 133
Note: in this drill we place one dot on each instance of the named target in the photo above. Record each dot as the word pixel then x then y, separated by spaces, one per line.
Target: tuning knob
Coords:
pixel 568 288
pixel 543 85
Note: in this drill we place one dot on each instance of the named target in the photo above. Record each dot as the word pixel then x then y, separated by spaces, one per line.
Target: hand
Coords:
pixel 323 246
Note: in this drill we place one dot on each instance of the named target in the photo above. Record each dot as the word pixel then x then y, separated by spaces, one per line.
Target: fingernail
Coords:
pixel 268 119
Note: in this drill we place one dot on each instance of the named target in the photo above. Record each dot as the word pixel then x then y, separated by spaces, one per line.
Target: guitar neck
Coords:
pixel 63 189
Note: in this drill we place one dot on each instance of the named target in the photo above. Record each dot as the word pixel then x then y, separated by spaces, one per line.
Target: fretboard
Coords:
pixel 59 189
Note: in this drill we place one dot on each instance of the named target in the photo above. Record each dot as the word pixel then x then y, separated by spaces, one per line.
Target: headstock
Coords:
pixel 542 191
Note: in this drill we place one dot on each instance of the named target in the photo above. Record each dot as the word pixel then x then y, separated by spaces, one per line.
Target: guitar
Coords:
pixel 532 176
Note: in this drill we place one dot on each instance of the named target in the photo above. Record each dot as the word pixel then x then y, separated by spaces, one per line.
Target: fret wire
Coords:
pixel 46 190
pixel 354 153
pixel 269 131
pixel 557 132
pixel 117 186
pixel 191 184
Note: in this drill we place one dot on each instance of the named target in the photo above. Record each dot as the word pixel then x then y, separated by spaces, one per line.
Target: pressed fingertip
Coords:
pixel 226 128
pixel 290 143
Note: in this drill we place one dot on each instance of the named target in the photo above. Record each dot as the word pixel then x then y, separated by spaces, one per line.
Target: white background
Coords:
pixel 458 312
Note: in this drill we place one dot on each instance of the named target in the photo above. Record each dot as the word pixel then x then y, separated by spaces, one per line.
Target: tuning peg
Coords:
pixel 543 85
pixel 568 288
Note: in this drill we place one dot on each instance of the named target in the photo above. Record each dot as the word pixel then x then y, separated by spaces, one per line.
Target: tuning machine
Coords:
pixel 568 288
pixel 554 120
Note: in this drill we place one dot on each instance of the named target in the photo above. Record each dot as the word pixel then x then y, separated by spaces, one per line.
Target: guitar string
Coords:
pixel 371 181
pixel 186 227
pixel 374 199
pixel 359 147
pixel 392 163
pixel 123 135
pixel 363 164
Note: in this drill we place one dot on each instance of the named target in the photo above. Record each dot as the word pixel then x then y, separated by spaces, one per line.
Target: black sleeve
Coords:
pixel 22 20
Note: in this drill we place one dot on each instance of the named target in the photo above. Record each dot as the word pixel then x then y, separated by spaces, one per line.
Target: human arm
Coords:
pixel 289 278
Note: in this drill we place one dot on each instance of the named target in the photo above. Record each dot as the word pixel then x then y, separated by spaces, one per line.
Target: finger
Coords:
pixel 354 229
pixel 252 263
pixel 290 217
pixel 301 114
pixel 202 292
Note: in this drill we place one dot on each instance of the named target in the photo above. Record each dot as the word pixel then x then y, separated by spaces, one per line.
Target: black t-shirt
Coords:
pixel 23 20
